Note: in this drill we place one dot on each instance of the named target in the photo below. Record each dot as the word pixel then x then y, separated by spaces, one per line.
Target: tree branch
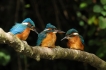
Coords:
pixel 51 53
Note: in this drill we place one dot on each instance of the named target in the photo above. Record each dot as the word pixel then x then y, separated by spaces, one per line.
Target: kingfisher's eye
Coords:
pixel 70 35
pixel 30 26
pixel 54 29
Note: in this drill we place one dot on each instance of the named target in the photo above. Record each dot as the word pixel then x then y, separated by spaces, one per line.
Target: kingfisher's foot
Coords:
pixel 58 47
pixel 51 46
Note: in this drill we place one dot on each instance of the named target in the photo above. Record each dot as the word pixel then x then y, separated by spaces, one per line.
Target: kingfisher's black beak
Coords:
pixel 64 38
pixel 59 31
pixel 34 29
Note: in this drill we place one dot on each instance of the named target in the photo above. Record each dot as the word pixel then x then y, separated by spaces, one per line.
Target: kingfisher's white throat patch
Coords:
pixel 75 34
pixel 25 23
pixel 54 32
pixel 46 29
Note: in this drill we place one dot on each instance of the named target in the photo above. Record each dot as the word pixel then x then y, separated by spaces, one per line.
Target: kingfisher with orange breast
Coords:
pixel 75 41
pixel 47 37
pixel 22 30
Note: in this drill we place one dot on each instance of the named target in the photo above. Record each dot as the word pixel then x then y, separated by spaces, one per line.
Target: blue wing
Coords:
pixel 41 36
pixel 18 28
pixel 82 40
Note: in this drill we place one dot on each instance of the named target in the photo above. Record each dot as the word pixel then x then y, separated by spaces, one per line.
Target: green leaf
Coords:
pixel 4 57
pixel 101 55
pixel 81 23
pixel 27 5
pixel 79 14
pixel 104 7
pixel 103 1
pixel 102 22
pixel 103 13
pixel 101 52
pixel 97 8
pixel 83 5
pixel 91 20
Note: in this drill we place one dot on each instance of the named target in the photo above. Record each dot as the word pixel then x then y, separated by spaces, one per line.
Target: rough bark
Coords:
pixel 38 52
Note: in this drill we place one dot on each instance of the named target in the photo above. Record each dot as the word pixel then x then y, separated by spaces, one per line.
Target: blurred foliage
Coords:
pixel 97 9
pixel 4 57
pixel 87 16
pixel 83 5
pixel 103 2
pixel 27 6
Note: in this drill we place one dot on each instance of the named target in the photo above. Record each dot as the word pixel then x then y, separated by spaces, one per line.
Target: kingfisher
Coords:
pixel 47 37
pixel 75 41
pixel 22 30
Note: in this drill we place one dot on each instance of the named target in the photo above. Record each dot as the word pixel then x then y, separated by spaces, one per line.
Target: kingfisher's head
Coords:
pixel 70 33
pixel 52 28
pixel 29 24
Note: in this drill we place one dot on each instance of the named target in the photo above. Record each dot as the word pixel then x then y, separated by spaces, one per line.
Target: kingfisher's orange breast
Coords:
pixel 75 43
pixel 24 35
pixel 49 41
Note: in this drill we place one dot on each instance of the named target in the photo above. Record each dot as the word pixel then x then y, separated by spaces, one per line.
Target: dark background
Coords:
pixel 87 16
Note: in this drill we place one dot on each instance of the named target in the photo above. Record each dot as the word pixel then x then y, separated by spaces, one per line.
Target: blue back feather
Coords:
pixel 29 20
pixel 41 36
pixel 18 28
pixel 82 39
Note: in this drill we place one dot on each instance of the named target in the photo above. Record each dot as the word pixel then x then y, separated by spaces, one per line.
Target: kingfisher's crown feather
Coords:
pixel 70 31
pixel 49 25
pixel 29 20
